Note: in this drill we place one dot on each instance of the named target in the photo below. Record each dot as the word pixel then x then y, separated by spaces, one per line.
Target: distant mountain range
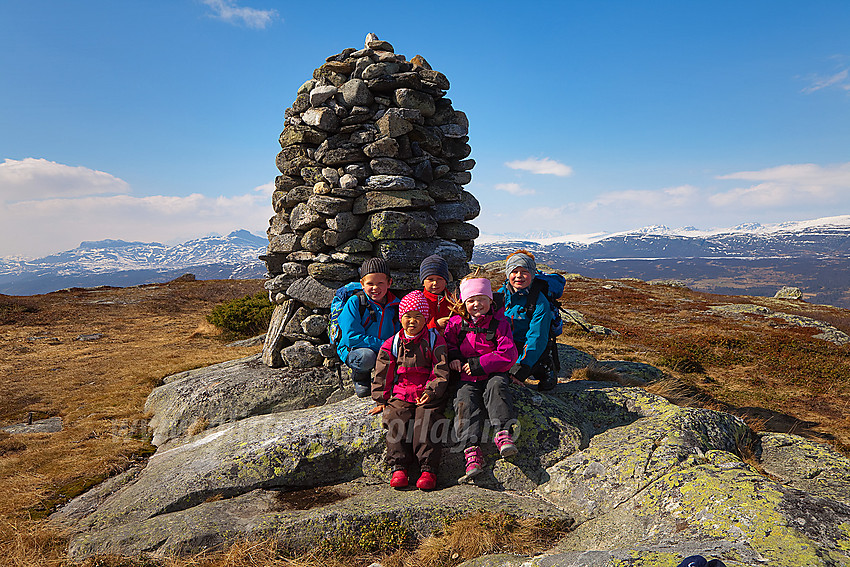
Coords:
pixel 120 263
pixel 751 259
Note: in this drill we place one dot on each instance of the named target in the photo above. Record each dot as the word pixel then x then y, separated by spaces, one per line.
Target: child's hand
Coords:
pixel 455 365
pixel 442 322
pixel 423 399
pixel 517 381
pixel 466 369
pixel 377 409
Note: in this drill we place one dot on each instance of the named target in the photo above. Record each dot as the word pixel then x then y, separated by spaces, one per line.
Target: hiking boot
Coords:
pixel 505 444
pixel 474 461
pixel 399 479
pixel 362 384
pixel 547 381
pixel 427 481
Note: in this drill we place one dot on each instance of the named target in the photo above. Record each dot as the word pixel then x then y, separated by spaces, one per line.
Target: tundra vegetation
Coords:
pixel 771 372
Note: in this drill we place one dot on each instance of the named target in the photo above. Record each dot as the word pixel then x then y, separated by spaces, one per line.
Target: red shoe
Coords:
pixel 427 481
pixel 399 479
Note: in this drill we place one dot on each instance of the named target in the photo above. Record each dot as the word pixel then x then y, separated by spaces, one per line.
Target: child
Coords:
pixel 367 319
pixel 530 331
pixel 434 275
pixel 482 350
pixel 411 376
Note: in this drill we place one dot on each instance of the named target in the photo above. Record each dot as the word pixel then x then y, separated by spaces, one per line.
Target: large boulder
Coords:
pixel 636 475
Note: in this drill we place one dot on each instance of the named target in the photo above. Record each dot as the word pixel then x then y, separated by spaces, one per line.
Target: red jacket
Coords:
pixel 417 368
pixel 439 308
pixel 485 357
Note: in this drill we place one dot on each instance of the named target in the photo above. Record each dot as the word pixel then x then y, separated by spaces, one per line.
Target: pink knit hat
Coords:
pixel 414 301
pixel 475 286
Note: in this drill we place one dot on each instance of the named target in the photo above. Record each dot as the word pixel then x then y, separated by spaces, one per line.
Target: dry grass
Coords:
pixel 483 534
pixel 777 378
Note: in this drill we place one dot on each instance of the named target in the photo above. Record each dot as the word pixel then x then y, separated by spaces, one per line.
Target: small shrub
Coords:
pixel 243 317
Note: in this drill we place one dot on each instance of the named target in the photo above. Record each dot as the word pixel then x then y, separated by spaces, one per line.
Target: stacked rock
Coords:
pixel 373 163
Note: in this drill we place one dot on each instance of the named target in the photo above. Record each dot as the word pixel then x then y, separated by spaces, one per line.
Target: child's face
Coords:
pixel 477 305
pixel 376 285
pixel 519 278
pixel 413 322
pixel 434 284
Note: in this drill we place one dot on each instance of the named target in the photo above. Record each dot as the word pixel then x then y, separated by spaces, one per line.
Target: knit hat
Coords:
pixel 374 266
pixel 475 286
pixel 434 265
pixel 414 301
pixel 520 260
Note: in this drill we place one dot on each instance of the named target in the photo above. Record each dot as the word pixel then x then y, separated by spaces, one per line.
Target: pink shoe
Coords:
pixel 505 444
pixel 474 461
pixel 427 481
pixel 399 479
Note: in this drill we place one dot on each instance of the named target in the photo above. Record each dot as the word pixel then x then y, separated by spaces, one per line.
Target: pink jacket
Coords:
pixel 485 357
pixel 416 369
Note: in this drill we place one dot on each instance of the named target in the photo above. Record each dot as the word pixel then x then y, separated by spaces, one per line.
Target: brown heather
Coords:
pixel 775 376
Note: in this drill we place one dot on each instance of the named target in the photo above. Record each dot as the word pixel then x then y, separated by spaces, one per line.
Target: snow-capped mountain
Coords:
pixel 828 236
pixel 749 259
pixel 116 262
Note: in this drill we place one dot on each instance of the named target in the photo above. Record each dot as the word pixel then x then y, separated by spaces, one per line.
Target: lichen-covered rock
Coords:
pixel 302 354
pixel 361 510
pixel 226 393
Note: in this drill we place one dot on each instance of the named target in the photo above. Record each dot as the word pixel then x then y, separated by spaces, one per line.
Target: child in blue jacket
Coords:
pixel 367 319
pixel 530 330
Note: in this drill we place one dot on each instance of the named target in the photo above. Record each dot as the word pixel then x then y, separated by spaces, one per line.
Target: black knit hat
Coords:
pixel 434 265
pixel 374 266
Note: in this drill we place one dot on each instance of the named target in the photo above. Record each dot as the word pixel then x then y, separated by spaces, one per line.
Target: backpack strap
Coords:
pixel 364 306
pixel 432 338
pixel 489 332
pixel 538 286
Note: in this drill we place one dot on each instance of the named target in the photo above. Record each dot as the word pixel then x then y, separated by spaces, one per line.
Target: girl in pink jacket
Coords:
pixel 482 350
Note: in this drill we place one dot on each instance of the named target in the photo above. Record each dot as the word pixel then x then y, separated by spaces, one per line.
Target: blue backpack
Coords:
pixel 341 295
pixel 550 286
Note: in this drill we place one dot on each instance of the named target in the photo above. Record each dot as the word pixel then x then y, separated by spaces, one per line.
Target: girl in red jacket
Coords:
pixel 482 350
pixel 411 377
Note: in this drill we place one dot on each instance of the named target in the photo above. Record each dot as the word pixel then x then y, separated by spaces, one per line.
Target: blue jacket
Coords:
pixel 531 334
pixel 357 332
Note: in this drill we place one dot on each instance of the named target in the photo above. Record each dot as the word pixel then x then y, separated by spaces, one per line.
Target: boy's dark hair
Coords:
pixel 374 266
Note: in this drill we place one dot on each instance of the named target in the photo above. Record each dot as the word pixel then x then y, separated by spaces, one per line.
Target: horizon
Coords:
pixel 159 121
pixel 539 238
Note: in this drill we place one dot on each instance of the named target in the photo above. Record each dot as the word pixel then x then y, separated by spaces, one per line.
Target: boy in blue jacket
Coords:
pixel 367 319
pixel 530 330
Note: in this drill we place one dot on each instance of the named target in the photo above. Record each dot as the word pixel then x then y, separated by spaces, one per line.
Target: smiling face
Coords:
pixel 376 286
pixel 519 278
pixel 434 284
pixel 477 305
pixel 413 322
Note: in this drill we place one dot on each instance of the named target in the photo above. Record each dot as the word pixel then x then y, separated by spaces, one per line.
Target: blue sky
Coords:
pixel 159 120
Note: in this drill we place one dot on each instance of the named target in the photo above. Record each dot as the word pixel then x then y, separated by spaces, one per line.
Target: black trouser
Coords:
pixel 474 401
pixel 414 430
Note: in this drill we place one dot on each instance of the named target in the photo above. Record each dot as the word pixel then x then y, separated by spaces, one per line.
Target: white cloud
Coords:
pixel 229 11
pixel 41 217
pixel 667 198
pixel 543 166
pixel 513 189
pixel 840 80
pixel 786 186
pixel 39 178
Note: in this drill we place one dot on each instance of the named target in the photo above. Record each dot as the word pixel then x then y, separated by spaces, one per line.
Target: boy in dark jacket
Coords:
pixel 363 329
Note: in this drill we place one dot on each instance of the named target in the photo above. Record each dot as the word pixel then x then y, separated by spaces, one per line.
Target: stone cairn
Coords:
pixel 373 163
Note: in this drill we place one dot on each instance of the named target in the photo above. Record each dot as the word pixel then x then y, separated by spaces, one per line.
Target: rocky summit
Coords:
pixel 373 162
pixel 639 480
